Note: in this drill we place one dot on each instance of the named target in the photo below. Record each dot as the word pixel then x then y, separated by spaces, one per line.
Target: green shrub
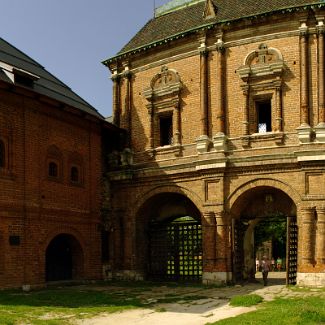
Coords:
pixel 245 301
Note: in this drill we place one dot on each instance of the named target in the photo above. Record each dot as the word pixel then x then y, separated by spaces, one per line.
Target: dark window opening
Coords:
pixel 24 81
pixel 2 154
pixel 53 169
pixel 105 246
pixel 74 174
pixel 264 116
pixel 14 240
pixel 166 130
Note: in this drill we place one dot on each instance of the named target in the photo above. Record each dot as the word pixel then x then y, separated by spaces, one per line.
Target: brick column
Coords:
pixel 306 239
pixel 177 124
pixel 246 109
pixel 127 104
pixel 320 236
pixel 220 87
pixel 116 98
pixel 304 96
pixel 222 242
pixel 203 141
pixel 278 109
pixel 151 124
pixel 304 130
pixel 209 240
pixel 320 128
pixel 219 139
pixel 321 71
pixel 204 88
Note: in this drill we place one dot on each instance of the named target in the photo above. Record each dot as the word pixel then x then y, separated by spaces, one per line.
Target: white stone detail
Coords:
pixel 311 279
pixel 216 277
pixel 211 166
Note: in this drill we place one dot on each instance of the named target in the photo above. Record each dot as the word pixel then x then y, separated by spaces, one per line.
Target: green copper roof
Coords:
pixel 174 5
pixel 178 18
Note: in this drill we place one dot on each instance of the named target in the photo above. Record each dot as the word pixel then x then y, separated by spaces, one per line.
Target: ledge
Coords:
pixel 277 137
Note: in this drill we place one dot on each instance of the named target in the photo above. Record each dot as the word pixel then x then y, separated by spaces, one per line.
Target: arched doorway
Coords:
pixel 269 212
pixel 169 238
pixel 64 259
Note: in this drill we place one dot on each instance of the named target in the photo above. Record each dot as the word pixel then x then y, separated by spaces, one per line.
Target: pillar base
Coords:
pixel 315 280
pixel 202 144
pixel 304 133
pixel 320 132
pixel 216 277
pixel 128 275
pixel 220 141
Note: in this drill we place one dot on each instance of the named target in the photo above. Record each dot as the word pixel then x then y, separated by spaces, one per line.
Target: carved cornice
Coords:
pixel 220 46
pixel 115 77
pixel 165 83
pixel 264 62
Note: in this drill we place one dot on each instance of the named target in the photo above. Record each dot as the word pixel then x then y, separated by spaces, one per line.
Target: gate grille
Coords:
pixel 292 245
pixel 239 229
pixel 176 250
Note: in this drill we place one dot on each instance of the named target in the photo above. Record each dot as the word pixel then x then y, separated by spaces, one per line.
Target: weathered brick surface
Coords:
pixel 36 208
pixel 244 172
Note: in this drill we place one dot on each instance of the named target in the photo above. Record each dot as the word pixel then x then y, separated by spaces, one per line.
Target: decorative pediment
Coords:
pixel 262 62
pixel 165 83
pixel 209 10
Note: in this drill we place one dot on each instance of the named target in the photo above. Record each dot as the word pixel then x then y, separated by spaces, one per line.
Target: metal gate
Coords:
pixel 239 228
pixel 292 246
pixel 175 250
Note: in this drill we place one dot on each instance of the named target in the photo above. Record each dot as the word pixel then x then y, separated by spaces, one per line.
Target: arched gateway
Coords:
pixel 64 258
pixel 264 211
pixel 169 238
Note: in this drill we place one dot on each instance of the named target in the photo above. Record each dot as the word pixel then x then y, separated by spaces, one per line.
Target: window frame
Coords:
pixel 258 103
pixel 54 155
pixel 166 131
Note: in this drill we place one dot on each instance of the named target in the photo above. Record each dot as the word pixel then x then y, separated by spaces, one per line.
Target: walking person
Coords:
pixel 257 263
pixel 265 266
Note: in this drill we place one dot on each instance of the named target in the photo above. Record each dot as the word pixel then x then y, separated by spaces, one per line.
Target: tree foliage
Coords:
pixel 271 228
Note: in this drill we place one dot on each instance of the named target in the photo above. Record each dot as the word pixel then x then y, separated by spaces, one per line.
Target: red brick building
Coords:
pixel 50 177
pixel 223 102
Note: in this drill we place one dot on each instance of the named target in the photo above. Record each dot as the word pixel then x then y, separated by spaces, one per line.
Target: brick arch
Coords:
pixel 269 182
pixel 78 259
pixel 66 230
pixel 143 199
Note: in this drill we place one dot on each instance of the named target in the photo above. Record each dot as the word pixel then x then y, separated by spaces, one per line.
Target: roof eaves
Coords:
pixel 209 25
pixel 159 42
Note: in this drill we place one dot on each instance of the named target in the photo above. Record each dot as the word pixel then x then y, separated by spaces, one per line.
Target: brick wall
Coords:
pixel 215 180
pixel 36 208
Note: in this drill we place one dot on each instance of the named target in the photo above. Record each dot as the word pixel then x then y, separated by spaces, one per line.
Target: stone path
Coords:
pixel 214 306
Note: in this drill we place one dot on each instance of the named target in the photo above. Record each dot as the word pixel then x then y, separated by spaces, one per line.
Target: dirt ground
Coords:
pixel 214 306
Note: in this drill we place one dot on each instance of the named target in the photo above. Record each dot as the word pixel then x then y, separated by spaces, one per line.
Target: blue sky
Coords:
pixel 70 38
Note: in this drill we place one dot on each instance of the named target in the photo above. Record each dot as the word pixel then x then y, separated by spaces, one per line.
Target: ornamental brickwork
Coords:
pixel 245 104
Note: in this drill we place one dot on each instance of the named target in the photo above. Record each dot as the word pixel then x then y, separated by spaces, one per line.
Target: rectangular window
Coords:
pixel 263 112
pixel 166 130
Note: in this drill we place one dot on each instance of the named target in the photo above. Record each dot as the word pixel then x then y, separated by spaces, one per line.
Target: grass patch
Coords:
pixel 245 301
pixel 59 306
pixel 294 311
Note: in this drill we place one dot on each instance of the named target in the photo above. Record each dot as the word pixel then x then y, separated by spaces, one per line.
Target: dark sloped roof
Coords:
pixel 191 17
pixel 47 84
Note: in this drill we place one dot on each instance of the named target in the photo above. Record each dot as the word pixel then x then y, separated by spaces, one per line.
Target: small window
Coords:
pixel 166 130
pixel 263 111
pixel 74 174
pixel 2 155
pixel 53 169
